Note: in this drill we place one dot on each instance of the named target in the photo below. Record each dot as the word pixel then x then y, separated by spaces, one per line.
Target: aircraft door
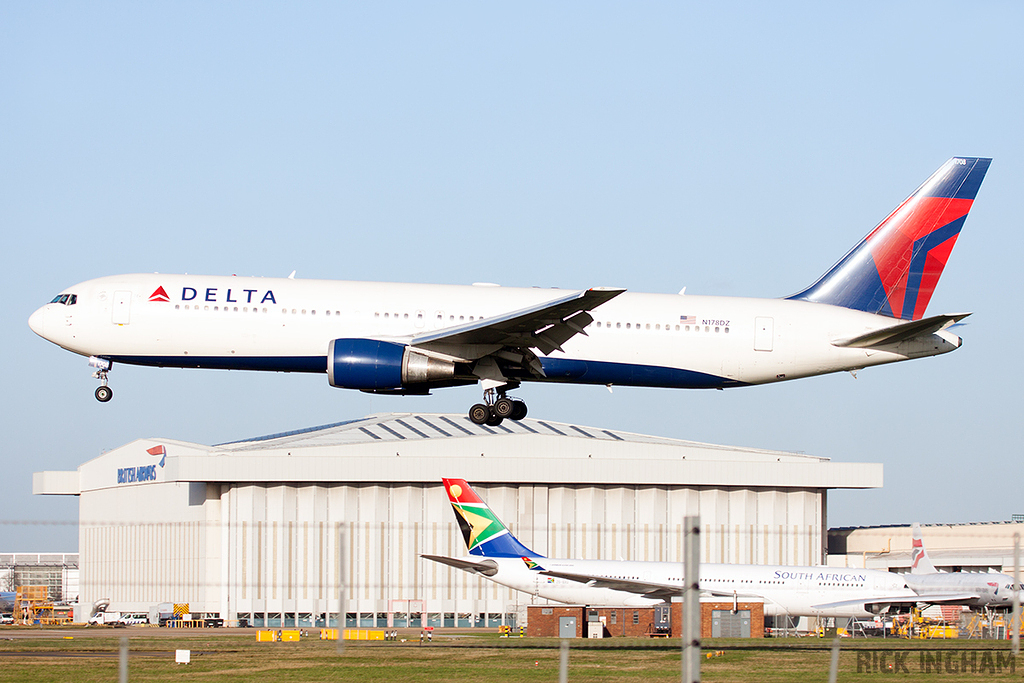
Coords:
pixel 121 309
pixel 764 334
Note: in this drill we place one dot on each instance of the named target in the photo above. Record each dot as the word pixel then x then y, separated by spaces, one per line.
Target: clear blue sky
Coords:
pixel 731 148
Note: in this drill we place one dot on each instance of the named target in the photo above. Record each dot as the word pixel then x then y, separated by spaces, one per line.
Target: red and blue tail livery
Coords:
pixel 894 270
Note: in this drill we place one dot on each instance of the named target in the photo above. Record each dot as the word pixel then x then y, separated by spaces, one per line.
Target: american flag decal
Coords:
pixel 688 319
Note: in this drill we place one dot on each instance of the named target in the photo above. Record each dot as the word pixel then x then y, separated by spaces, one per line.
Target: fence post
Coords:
pixel 691 600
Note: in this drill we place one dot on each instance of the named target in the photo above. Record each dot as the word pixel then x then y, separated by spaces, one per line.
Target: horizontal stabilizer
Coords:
pixel 486 567
pixel 902 332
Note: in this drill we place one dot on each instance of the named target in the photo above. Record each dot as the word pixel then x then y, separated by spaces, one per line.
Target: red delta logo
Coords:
pixel 159 294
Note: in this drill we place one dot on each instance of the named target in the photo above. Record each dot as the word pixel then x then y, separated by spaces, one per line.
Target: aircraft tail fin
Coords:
pixel 920 563
pixel 484 533
pixel 894 270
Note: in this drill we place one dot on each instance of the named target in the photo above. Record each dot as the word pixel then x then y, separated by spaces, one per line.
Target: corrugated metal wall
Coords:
pixel 284 541
pixel 275 549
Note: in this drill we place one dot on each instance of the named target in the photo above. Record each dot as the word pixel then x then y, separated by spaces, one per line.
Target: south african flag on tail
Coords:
pixel 483 532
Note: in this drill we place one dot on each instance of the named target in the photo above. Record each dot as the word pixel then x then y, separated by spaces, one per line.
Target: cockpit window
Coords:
pixel 66 299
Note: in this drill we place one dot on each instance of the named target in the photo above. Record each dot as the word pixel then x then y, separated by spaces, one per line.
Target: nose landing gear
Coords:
pixel 497 407
pixel 102 365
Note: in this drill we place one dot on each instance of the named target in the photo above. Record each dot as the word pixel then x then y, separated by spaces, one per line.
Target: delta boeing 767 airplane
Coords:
pixel 391 338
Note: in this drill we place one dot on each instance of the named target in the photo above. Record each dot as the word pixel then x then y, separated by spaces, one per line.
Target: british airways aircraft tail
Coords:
pixel 920 563
pixel 484 533
pixel 893 271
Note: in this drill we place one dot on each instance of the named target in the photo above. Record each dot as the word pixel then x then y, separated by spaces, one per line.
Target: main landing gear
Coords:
pixel 497 407
pixel 102 365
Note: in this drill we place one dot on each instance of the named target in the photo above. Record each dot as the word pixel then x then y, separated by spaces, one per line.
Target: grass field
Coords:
pixel 93 655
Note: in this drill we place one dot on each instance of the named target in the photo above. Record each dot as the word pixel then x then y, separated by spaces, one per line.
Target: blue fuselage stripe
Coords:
pixel 566 370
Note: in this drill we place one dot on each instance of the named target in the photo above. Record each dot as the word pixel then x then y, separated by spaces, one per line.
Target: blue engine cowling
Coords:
pixel 372 365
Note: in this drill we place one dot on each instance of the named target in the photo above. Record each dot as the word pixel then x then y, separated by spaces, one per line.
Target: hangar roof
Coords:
pixel 398 427
pixel 406 447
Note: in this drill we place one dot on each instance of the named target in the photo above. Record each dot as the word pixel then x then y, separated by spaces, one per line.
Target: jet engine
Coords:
pixel 386 367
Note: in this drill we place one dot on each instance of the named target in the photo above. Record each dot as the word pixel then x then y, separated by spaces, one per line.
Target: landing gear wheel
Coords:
pixel 104 394
pixel 478 414
pixel 504 407
pixel 519 411
pixel 494 420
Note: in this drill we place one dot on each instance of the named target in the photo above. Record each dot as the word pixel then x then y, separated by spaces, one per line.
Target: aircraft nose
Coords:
pixel 37 321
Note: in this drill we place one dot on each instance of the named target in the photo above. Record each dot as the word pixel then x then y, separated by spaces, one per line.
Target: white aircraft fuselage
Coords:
pixel 785 590
pixel 280 324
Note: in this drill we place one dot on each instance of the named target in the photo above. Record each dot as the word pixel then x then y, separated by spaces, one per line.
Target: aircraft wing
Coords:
pixel 545 327
pixel 487 567
pixel 646 588
pixel 902 332
pixel 930 598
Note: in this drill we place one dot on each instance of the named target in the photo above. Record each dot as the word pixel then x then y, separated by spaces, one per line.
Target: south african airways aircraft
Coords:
pixel 390 338
pixel 818 591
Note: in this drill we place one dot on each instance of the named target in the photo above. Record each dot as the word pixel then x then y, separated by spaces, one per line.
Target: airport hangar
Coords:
pixel 257 529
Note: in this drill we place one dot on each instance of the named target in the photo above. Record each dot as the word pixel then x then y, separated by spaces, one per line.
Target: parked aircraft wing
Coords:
pixel 902 332
pixel 646 588
pixel 930 598
pixel 486 567
pixel 545 327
